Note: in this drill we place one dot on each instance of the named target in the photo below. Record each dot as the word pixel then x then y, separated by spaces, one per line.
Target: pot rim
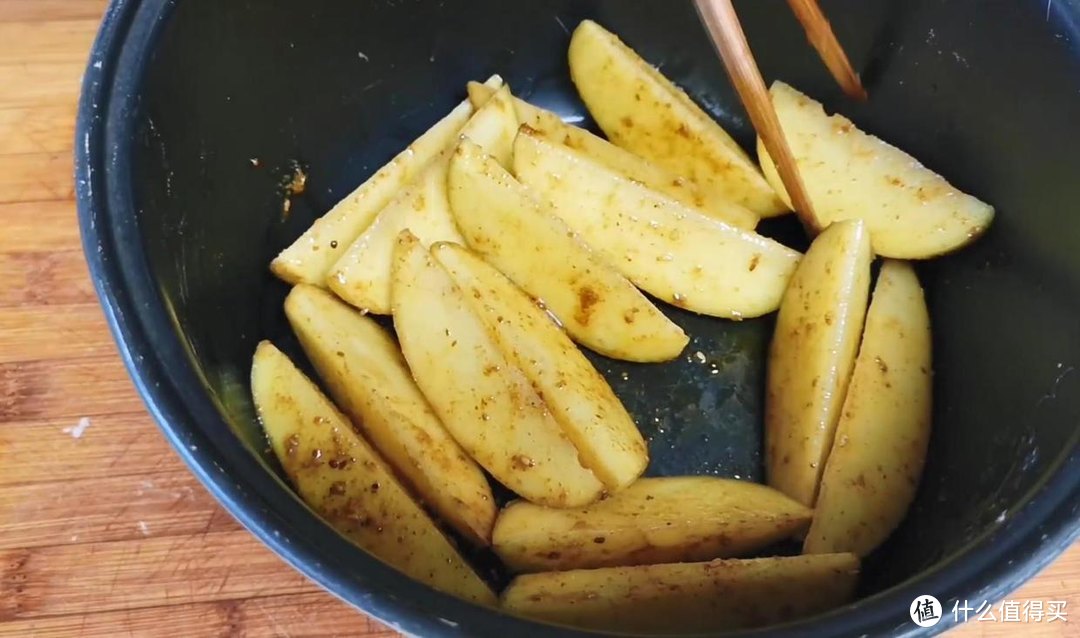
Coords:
pixel 162 368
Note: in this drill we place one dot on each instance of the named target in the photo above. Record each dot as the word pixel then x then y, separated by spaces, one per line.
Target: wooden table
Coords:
pixel 102 530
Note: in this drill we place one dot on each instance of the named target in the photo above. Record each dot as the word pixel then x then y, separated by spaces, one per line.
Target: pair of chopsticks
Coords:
pixel 727 34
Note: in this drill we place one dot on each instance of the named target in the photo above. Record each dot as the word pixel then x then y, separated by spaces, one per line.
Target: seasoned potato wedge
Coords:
pixel 670 251
pixel 582 402
pixel 811 356
pixel 655 520
pixel 486 403
pixel 600 309
pixel 703 197
pixel 362 275
pixel 911 212
pixel 642 111
pixel 687 597
pixel 345 481
pixel 884 429
pixel 310 258
pixel 365 373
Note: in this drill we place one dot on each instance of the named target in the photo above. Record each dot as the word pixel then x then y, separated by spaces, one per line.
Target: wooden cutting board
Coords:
pixel 102 530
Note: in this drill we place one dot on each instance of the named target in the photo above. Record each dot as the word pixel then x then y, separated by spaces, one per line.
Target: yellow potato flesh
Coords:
pixel 687 597
pixel 655 520
pixel 364 371
pixel 884 429
pixel 910 211
pixel 485 402
pixel 699 196
pixel 812 355
pixel 607 440
pixel 362 275
pixel 672 252
pixel 342 478
pixel 642 111
pixel 600 309
pixel 310 258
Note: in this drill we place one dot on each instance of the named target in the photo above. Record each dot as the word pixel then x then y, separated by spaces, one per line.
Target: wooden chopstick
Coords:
pixel 822 38
pixel 720 18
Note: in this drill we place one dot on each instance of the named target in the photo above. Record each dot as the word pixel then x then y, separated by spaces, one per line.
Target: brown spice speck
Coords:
pixel 587 299
pixel 521 462
pixel 337 488
pixel 292 444
pixel 754 261
pixel 881 365
pixel 340 462
pixel 298 184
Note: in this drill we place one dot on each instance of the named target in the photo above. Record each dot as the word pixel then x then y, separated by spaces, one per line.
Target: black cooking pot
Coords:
pixel 194 112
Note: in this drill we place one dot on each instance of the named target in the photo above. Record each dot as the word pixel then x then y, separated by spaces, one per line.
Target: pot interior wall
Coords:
pixel 239 95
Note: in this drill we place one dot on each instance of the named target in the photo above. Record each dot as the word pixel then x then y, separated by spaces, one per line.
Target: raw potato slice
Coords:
pixel 365 373
pixel 345 482
pixel 642 111
pixel 548 125
pixel 362 275
pixel 811 356
pixel 911 212
pixel 582 402
pixel 884 429
pixel 655 520
pixel 310 258
pixel 486 403
pixel 670 251
pixel 687 597
pixel 600 309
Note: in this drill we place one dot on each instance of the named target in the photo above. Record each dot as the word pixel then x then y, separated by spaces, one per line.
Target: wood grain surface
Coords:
pixel 150 553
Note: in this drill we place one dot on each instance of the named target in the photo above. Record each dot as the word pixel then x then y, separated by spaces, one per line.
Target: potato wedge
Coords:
pixel 363 369
pixel 485 402
pixel 362 275
pixel 309 259
pixel 884 429
pixel 607 440
pixel 600 309
pixel 911 212
pixel 811 357
pixel 672 252
pixel 655 520
pixel 642 111
pixel 342 478
pixel 687 597
pixel 702 197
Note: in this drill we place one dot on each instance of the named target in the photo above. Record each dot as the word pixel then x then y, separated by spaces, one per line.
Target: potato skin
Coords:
pixel 884 430
pixel 607 440
pixel 364 371
pixel 811 357
pixel 642 111
pixel 513 230
pixel 655 520
pixel 362 275
pixel 702 197
pixel 673 252
pixel 486 403
pixel 344 480
pixel 311 257
pixel 687 597
pixel 911 212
